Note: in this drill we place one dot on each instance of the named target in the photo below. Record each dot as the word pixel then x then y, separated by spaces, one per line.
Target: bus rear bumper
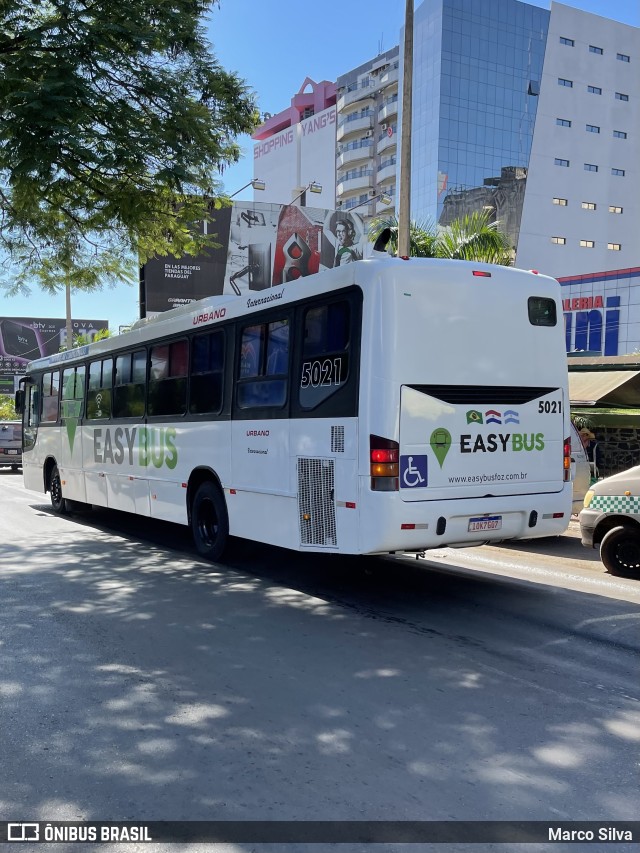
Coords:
pixel 423 525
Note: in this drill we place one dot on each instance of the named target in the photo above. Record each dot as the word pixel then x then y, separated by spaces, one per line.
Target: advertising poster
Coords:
pixel 23 339
pixel 262 245
pixel 171 282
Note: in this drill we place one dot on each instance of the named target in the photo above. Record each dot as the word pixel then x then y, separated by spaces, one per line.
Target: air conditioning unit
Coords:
pixel 384 125
pixel 368 133
pixel 372 193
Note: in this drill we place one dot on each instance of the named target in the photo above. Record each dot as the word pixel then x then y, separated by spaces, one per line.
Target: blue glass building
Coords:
pixel 477 72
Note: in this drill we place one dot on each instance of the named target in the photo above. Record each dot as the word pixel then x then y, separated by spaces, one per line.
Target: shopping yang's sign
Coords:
pixel 592 323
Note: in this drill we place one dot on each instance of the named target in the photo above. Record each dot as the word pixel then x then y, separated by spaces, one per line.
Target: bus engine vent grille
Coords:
pixel 337 439
pixel 498 395
pixel 316 507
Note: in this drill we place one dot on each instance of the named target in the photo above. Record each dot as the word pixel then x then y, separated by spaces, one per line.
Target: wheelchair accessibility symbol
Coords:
pixel 413 472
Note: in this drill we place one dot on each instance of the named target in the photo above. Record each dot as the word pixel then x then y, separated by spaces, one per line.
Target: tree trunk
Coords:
pixel 69 326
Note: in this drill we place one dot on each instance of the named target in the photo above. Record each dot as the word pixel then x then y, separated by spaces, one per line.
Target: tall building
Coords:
pixel 535 116
pixel 367 135
pixel 295 150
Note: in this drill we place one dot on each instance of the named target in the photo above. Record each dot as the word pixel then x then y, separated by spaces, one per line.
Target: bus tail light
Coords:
pixel 384 455
pixel 566 460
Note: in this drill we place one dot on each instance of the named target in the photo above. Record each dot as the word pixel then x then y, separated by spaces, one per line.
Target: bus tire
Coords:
pixel 620 551
pixel 209 521
pixel 58 503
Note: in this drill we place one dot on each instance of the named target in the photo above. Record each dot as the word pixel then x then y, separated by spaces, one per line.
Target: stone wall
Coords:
pixel 618 449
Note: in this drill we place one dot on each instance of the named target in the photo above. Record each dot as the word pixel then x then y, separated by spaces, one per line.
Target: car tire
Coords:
pixel 209 521
pixel 620 551
pixel 58 503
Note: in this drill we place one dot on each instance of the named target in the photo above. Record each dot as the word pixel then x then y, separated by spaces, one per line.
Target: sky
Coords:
pixel 274 47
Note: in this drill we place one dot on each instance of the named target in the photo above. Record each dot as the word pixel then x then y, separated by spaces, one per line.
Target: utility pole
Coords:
pixel 67 288
pixel 404 204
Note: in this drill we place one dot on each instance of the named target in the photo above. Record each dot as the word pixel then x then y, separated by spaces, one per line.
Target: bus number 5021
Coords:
pixel 321 372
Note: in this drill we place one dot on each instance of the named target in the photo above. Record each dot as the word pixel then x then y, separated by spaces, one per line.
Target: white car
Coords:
pixel 11 444
pixel 611 519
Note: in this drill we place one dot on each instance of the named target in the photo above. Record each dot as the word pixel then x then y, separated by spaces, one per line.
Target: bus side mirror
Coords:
pixel 18 403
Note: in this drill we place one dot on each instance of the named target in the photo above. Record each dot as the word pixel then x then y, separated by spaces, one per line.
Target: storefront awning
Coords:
pixel 604 387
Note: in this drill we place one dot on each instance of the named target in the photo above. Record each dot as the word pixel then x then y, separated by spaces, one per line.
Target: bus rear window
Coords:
pixel 542 311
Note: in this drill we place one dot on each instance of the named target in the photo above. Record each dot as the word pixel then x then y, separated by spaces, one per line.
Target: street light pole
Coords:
pixel 256 183
pixel 313 187
pixel 404 204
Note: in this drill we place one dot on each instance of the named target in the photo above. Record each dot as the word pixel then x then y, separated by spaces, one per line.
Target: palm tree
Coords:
pixel 471 238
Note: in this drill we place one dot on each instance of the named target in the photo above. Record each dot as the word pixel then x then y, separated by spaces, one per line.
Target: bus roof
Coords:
pixel 213 309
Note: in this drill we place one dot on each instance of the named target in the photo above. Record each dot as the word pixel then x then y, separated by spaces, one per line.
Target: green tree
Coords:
pixel 7 410
pixel 116 121
pixel 471 238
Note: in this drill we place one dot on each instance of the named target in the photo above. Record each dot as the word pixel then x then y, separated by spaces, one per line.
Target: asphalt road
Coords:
pixel 139 683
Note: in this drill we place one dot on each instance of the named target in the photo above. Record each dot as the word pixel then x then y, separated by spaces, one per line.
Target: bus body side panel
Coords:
pixel 324 463
pixel 33 462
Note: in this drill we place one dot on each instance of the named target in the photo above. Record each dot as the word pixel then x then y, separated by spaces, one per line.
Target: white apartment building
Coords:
pixel 367 136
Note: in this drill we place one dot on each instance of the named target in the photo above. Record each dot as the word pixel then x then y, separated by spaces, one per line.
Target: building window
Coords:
pixel 560 162
pixel 559 241
pixel 568 42
pixel 563 82
pixel 590 167
pixel 593 128
pixel 623 57
pixel 615 247
pixel 587 244
pixel 563 122
pixel 618 172
pixel 620 134
pixel 594 49
pixel 588 205
pixel 614 209
pixel 595 90
pixel 561 201
pixel 620 96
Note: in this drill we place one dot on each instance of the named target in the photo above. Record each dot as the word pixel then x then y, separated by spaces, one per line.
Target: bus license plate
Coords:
pixel 488 522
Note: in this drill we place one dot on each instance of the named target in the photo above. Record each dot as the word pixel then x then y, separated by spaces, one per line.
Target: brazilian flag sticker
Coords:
pixel 474 416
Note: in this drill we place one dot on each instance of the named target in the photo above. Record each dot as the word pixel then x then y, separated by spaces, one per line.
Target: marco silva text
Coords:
pixel 602 833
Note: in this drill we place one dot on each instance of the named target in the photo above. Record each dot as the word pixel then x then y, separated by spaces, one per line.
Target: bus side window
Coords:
pixel 264 365
pixel 73 392
pixel 50 396
pixel 129 385
pixel 207 371
pixel 99 391
pixel 325 352
pixel 168 379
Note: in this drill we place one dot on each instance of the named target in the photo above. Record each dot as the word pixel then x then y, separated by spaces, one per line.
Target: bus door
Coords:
pixel 71 418
pixel 260 426
pixel 30 408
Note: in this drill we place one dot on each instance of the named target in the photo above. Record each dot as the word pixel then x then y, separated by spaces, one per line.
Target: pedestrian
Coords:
pixel 592 450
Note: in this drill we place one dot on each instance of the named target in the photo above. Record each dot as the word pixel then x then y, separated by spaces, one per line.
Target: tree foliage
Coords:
pixel 471 238
pixel 116 121
pixel 7 409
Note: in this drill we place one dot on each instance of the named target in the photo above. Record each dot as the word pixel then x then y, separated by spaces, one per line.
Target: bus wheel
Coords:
pixel 209 521
pixel 620 552
pixel 58 503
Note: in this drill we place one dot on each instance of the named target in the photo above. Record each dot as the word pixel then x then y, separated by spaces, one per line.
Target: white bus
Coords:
pixel 391 405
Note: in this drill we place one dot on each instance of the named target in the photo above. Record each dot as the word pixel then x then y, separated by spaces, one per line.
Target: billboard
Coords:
pixel 23 339
pixel 261 245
